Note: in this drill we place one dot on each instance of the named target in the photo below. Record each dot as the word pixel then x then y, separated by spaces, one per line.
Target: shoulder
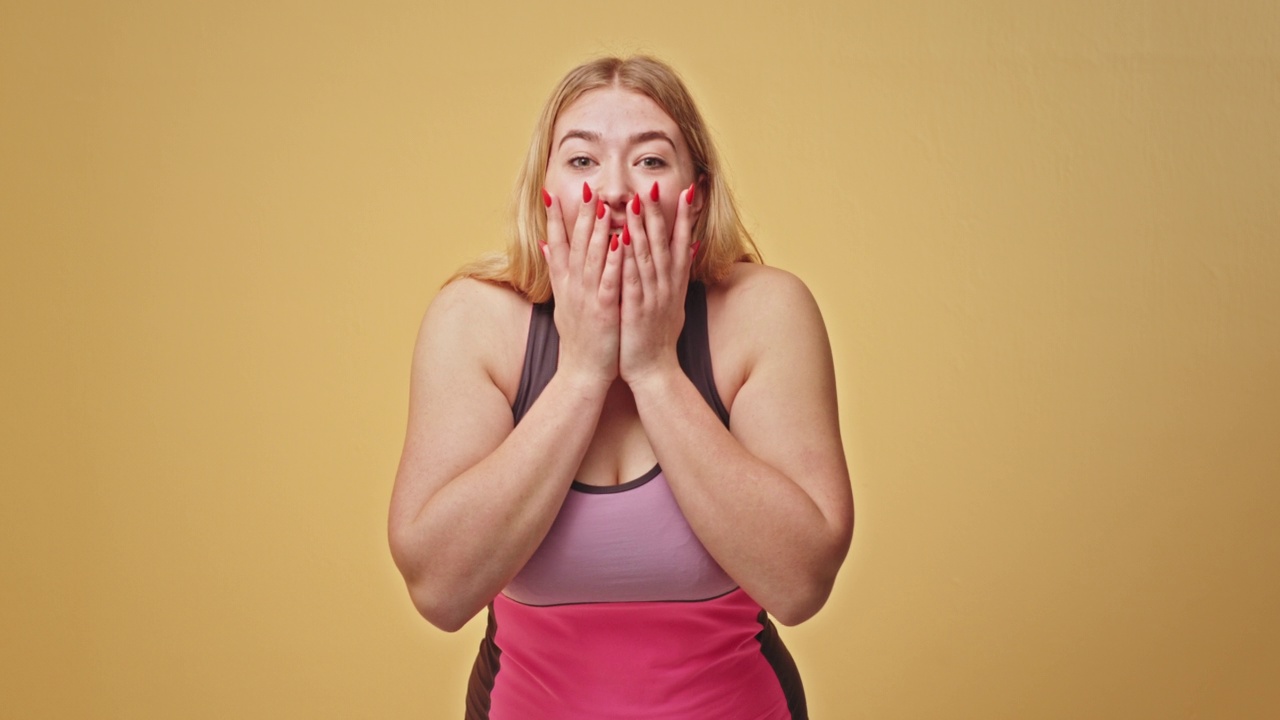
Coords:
pixel 476 322
pixel 466 299
pixel 765 298
pixel 760 314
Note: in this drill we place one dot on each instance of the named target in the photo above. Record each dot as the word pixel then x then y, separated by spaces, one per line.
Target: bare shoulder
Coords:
pixel 757 302
pixel 479 321
pixel 758 312
pixel 760 291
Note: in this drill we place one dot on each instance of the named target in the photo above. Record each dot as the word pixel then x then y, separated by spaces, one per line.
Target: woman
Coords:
pixel 629 517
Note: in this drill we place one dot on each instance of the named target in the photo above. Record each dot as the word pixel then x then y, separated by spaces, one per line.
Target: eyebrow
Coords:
pixel 636 139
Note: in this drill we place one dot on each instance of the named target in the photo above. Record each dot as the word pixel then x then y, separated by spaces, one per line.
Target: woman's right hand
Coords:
pixel 586 271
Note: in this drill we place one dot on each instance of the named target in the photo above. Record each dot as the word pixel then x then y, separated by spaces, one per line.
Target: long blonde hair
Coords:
pixel 724 239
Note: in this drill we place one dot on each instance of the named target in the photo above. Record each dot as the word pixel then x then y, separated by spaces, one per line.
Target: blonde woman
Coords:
pixel 623 437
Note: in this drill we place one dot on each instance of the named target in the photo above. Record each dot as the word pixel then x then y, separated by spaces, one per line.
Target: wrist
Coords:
pixel 591 384
pixel 656 379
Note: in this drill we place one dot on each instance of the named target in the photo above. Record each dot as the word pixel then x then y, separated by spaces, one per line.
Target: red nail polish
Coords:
pixel 626 234
pixel 696 243
pixel 586 193
pixel 689 198
pixel 546 197
pixel 653 194
pixel 614 245
pixel 599 209
pixel 635 205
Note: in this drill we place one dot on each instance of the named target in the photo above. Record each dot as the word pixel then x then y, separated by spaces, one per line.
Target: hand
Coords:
pixel 585 283
pixel 655 279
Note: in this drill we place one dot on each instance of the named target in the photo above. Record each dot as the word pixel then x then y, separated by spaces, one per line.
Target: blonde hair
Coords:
pixel 724 239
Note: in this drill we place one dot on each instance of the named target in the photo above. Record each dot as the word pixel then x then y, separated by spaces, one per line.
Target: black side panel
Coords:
pixel 483 674
pixel 784 667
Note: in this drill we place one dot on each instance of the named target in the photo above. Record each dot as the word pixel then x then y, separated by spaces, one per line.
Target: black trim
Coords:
pixel 730 591
pixel 620 487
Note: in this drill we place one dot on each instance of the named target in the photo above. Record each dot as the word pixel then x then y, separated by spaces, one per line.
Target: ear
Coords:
pixel 700 196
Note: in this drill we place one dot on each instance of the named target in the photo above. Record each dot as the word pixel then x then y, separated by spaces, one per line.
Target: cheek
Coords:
pixel 569 195
pixel 669 209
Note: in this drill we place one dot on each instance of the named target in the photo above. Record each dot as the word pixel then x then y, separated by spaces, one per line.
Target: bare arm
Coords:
pixel 474 496
pixel 769 499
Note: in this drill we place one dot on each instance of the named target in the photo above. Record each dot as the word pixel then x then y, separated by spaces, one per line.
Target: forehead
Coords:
pixel 614 111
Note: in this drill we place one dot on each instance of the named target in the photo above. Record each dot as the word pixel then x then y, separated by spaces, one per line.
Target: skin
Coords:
pixel 475 495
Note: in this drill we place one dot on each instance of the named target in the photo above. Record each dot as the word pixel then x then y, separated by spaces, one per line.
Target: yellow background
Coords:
pixel 1045 236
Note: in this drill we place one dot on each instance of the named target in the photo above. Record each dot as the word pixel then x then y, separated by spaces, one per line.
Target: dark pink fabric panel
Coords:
pixel 634 661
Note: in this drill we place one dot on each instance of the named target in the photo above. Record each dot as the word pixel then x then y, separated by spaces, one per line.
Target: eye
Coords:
pixel 652 162
pixel 579 161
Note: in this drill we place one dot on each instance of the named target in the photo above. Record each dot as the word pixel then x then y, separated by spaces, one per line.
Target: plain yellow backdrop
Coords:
pixel 1045 237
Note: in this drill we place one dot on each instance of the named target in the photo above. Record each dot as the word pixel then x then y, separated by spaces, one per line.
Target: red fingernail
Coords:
pixel 586 193
pixel 689 198
pixel 546 197
pixel 653 194
pixel 635 204
pixel 626 234
pixel 696 243
pixel 599 209
pixel 613 245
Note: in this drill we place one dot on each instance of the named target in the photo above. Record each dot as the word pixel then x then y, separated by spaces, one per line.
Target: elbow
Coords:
pixel 437 606
pixel 449 617
pixel 802 605
pixel 808 594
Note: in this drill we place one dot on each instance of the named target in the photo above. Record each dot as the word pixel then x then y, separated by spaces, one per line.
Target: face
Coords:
pixel 620 143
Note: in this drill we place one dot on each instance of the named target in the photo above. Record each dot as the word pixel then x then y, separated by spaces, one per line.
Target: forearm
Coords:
pixel 475 533
pixel 760 526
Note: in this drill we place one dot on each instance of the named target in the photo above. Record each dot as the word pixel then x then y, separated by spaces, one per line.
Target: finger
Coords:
pixel 632 292
pixel 641 250
pixel 611 275
pixel 582 227
pixel 682 250
pixel 655 228
pixel 556 244
pixel 597 245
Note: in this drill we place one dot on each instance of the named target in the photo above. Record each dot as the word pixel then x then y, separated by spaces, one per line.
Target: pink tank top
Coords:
pixel 621 612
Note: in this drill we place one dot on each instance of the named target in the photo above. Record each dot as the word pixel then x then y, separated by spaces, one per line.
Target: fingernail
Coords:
pixel 613 245
pixel 692 187
pixel 586 193
pixel 635 205
pixel 653 194
pixel 626 234
pixel 696 243
pixel 599 209
pixel 546 197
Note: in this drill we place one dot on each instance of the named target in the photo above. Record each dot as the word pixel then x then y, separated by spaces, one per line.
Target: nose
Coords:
pixel 615 186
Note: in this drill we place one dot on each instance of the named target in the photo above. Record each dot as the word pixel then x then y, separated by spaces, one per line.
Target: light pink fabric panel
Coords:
pixel 624 546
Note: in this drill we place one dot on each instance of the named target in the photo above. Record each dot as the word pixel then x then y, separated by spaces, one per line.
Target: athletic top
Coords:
pixel 621 613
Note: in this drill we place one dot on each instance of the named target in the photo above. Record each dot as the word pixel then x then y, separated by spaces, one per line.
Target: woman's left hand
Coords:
pixel 655 278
